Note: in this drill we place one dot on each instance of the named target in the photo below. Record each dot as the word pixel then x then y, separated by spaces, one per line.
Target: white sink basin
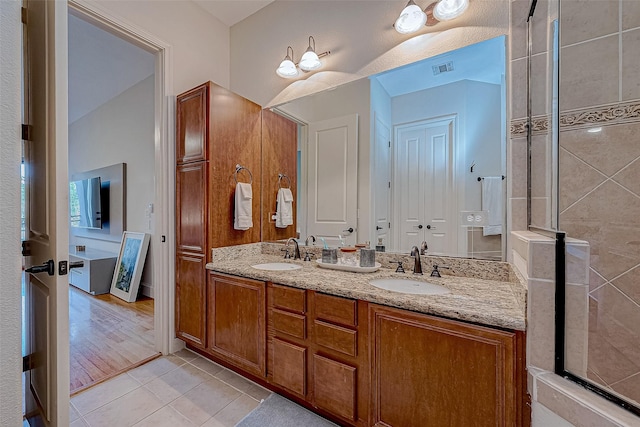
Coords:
pixel 408 286
pixel 277 266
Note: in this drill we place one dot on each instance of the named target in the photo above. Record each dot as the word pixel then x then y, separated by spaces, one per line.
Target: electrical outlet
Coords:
pixel 473 218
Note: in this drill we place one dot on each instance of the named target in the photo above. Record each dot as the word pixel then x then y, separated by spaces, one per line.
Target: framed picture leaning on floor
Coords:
pixel 126 277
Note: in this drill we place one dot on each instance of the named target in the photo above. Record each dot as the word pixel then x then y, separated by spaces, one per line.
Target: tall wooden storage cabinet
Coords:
pixel 215 130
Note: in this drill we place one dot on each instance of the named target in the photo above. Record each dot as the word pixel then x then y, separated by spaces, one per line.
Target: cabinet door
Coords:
pixel 191 126
pixel 435 372
pixel 335 387
pixel 191 299
pixel 237 322
pixel 290 366
pixel 191 207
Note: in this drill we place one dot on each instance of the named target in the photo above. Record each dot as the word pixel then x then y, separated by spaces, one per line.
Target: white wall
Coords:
pixel 10 259
pixel 200 42
pixel 121 131
pixel 359 35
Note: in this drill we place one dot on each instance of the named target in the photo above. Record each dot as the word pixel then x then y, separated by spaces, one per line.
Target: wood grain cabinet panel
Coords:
pixel 428 371
pixel 236 321
pixel 334 385
pixel 336 309
pixel 191 126
pixel 191 300
pixel 290 366
pixel 336 338
pixel 289 323
pixel 191 216
pixel 290 299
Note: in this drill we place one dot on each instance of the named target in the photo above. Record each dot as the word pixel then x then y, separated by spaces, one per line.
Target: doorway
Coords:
pixel 111 128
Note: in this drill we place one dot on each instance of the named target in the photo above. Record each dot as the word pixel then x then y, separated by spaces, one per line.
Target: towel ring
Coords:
pixel 280 177
pixel 238 169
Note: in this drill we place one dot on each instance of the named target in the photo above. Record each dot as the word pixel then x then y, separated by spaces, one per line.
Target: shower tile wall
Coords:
pixel 600 176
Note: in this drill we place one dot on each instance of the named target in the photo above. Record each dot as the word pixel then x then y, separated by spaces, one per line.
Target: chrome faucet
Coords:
pixel 296 251
pixel 417 266
pixel 312 237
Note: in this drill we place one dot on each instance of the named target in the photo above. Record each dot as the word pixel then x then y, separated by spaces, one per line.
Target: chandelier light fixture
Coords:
pixel 412 18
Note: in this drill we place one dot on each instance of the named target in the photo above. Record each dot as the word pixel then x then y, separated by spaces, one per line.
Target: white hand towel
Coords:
pixel 284 208
pixel 243 218
pixel 492 203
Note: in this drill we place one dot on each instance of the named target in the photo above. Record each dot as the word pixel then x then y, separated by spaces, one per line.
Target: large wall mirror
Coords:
pixel 409 155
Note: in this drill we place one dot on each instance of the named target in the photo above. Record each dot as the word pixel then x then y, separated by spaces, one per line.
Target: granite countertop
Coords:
pixel 488 302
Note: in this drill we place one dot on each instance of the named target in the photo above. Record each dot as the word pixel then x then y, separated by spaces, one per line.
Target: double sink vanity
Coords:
pixel 361 355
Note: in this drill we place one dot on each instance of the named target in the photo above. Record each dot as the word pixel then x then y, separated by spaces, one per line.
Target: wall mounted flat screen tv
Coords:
pixel 85 203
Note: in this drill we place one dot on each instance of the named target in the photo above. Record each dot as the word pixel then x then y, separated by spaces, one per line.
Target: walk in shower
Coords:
pixel 584 150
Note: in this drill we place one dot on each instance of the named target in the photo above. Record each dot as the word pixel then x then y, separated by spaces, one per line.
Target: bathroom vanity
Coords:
pixel 365 356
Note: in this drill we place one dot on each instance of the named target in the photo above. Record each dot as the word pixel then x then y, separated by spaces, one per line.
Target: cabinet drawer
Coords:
pixel 291 299
pixel 289 323
pixel 80 278
pixel 335 387
pixel 336 309
pixel 290 366
pixel 336 338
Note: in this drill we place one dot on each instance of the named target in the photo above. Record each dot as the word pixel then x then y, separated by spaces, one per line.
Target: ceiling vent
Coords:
pixel 442 68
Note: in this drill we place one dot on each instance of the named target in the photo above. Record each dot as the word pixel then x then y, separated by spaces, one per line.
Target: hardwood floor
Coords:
pixel 107 336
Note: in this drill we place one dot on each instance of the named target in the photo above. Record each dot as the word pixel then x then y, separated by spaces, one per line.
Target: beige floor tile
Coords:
pixel 236 411
pixel 78 423
pixel 175 383
pixel 104 393
pixel 73 413
pixel 205 400
pixel 187 355
pixel 211 423
pixel 206 365
pixel 165 417
pixel 156 368
pixel 126 410
pixel 243 384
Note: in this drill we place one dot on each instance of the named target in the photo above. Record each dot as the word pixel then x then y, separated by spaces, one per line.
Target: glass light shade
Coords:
pixel 411 19
pixel 287 69
pixel 449 9
pixel 310 61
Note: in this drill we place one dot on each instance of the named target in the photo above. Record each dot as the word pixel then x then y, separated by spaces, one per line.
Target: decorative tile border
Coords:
pixel 609 114
pixel 577 119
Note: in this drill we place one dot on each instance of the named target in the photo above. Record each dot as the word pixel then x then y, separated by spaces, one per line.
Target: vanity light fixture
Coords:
pixel 287 68
pixel 412 18
pixel 446 10
pixel 310 60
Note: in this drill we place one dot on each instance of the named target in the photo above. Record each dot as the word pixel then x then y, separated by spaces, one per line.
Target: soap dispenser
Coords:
pixel 380 246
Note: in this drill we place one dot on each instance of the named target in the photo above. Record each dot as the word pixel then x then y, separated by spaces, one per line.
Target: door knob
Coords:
pixel 428 227
pixel 419 227
pixel 47 266
pixel 76 264
pixel 350 230
pixel 378 227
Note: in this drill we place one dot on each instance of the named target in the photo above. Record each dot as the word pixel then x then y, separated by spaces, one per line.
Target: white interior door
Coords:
pixel 382 183
pixel 45 110
pixel 332 177
pixel 422 185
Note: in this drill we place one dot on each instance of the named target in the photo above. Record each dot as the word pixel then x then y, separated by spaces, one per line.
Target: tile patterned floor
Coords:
pixel 183 389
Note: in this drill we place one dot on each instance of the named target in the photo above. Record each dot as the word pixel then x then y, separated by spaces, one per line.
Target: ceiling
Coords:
pixel 102 66
pixel 482 62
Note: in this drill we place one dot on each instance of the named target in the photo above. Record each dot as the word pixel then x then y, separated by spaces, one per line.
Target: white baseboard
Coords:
pixel 147 289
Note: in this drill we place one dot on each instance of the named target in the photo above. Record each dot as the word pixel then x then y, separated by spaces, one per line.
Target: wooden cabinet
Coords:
pixel 439 372
pixel 318 351
pixel 215 130
pixel 236 322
